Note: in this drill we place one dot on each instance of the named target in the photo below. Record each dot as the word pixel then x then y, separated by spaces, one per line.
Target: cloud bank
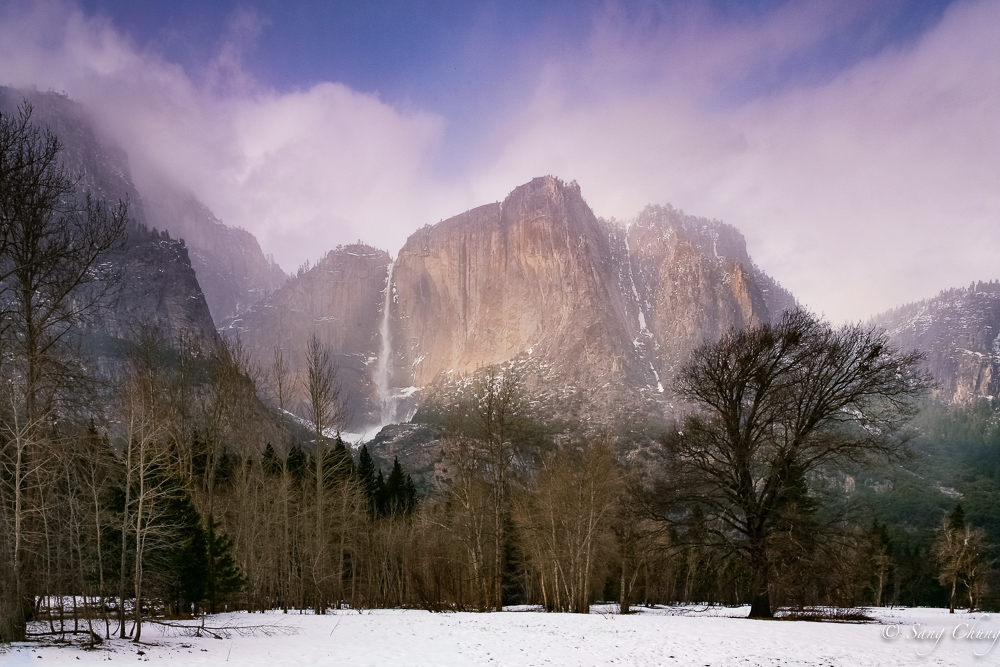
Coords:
pixel 858 192
pixel 859 184
pixel 303 170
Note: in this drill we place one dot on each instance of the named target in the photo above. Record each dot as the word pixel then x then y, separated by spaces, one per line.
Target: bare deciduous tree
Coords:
pixel 485 451
pixel 53 277
pixel 326 413
pixel 960 552
pixel 564 522
pixel 52 270
pixel 148 465
pixel 22 472
pixel 773 403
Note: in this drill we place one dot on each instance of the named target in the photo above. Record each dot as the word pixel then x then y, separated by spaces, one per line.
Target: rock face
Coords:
pixel 159 288
pixel 597 315
pixel 418 448
pixel 533 273
pixel 232 270
pixel 693 280
pixel 339 300
pixel 593 303
pixel 959 333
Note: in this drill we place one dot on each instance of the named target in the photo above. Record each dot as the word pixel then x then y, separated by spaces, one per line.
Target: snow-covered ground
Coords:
pixel 668 636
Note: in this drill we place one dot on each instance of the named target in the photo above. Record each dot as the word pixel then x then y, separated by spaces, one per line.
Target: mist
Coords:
pixel 861 181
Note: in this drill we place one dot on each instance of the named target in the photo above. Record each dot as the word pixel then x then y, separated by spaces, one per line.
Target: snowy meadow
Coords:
pixel 688 635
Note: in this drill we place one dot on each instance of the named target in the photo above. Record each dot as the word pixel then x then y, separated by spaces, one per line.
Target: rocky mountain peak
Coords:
pixel 598 314
pixel 546 197
pixel 231 268
pixel 712 238
pixel 530 273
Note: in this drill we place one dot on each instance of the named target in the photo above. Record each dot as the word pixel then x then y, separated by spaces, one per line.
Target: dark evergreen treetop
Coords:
pixel 369 478
pixel 270 461
pixel 956 520
pixel 400 494
pixel 339 464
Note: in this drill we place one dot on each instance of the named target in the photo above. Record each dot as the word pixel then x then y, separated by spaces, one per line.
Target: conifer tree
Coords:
pixel 381 501
pixel 270 462
pixel 186 561
pixel 339 464
pixel 956 520
pixel 400 493
pixel 298 462
pixel 409 494
pixel 368 478
pixel 223 576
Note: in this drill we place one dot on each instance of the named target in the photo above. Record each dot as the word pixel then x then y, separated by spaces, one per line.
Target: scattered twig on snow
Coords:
pixel 227 631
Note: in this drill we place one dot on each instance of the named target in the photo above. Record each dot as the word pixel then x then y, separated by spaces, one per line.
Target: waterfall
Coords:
pixel 387 402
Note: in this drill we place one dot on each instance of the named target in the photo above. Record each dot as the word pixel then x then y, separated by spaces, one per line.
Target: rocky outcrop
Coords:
pixel 958 331
pixel 418 448
pixel 339 300
pixel 232 270
pixel 159 292
pixel 159 288
pixel 534 273
pixel 693 281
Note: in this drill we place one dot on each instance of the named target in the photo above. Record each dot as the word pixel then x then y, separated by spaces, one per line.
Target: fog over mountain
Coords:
pixel 159 289
pixel 847 141
pixel 598 314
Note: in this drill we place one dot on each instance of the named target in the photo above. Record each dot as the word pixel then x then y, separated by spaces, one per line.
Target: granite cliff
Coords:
pixel 159 287
pixel 959 333
pixel 535 273
pixel 693 280
pixel 232 270
pixel 597 315
pixel 339 300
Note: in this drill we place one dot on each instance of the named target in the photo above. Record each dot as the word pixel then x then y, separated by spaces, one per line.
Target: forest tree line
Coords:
pixel 193 496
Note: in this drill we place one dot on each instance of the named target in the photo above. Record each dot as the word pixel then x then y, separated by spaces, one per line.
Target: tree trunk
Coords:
pixel 13 619
pixel 14 604
pixel 13 625
pixel 623 592
pixel 319 573
pixel 760 606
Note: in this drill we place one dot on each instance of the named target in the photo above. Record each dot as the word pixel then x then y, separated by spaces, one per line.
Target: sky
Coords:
pixel 855 144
